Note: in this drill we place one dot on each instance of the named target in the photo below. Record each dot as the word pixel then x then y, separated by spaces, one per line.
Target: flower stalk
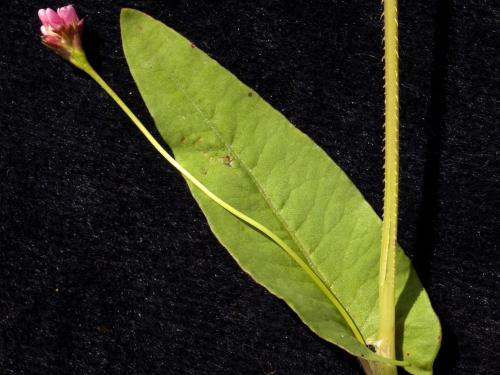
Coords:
pixel 63 41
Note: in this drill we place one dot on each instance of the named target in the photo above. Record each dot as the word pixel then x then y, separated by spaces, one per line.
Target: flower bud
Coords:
pixel 61 31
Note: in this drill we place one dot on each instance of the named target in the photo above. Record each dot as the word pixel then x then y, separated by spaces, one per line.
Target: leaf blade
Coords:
pixel 232 140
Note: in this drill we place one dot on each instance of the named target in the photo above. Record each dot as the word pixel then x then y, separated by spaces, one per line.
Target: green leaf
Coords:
pixel 252 157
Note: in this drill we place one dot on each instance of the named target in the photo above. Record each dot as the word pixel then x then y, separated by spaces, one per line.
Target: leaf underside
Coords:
pixel 255 159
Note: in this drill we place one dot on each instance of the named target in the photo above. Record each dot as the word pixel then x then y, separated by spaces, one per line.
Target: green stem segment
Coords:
pixel 386 343
pixel 80 61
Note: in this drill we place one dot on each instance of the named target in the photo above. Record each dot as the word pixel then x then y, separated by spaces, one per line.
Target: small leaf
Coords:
pixel 252 157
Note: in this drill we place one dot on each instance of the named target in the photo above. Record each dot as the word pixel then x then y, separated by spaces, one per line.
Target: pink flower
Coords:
pixel 61 30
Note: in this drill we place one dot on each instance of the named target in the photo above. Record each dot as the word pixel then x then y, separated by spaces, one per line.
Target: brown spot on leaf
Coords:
pixel 250 94
pixel 228 160
pixel 193 45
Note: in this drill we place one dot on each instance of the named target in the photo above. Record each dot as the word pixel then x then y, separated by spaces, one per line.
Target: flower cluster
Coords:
pixel 61 30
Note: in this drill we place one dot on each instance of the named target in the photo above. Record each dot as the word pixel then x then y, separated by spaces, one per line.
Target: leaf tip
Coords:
pixel 124 12
pixel 128 13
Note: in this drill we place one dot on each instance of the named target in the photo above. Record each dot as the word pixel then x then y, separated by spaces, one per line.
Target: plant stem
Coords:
pixel 386 339
pixel 80 61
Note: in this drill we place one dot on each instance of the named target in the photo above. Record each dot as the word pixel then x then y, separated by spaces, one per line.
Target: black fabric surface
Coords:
pixel 107 265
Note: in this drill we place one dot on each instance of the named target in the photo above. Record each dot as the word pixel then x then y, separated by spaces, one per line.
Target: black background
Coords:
pixel 108 266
